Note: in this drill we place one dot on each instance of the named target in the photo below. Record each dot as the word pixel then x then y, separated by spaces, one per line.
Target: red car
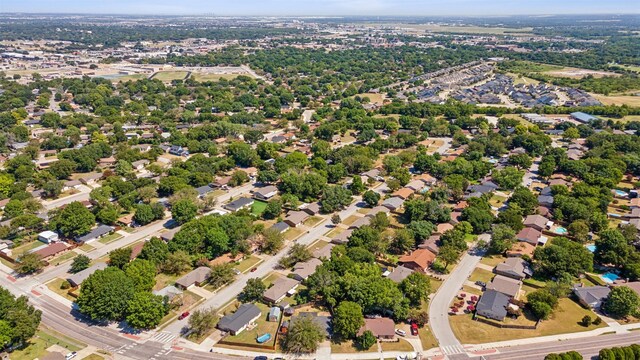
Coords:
pixel 414 329
pixel 254 269
pixel 183 315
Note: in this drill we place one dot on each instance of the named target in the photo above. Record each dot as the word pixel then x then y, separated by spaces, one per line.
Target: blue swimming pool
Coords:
pixel 591 248
pixel 560 230
pixel 609 277
pixel 621 193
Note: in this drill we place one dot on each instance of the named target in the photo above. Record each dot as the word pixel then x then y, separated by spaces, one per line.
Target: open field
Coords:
pixel 464 29
pixel 38 345
pixel 213 77
pixel 577 73
pixel 375 98
pixel 565 319
pixel 170 75
pixel 618 99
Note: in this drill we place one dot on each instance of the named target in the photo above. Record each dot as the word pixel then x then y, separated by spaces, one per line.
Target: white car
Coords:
pixel 71 355
pixel 401 332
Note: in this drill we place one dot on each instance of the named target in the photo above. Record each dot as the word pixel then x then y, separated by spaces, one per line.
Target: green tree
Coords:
pixel 252 291
pixel 74 220
pixel 29 263
pixel 416 287
pixel 184 211
pixel 335 198
pixel 80 263
pixel 272 241
pixel 144 214
pixel 304 336
pixel 105 295
pixel 18 320
pixel 347 319
pixel 145 310
pixel 403 241
pixel 154 250
pixel 201 322
pixel 142 273
pixel 221 275
pixel 579 229
pixel 612 248
pixel 621 302
pixel 366 340
pixel 508 178
pixel 335 219
pixel 177 263
pixel 120 257
pixel 238 178
pixel 272 210
pixel 449 255
pixel 371 198
pixel 502 239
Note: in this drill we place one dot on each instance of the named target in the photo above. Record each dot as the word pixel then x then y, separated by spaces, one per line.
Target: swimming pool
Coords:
pixel 609 277
pixel 591 248
pixel 621 193
pixel 560 230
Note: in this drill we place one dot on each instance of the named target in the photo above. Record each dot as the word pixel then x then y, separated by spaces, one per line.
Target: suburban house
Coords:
pixel 493 305
pixel 508 286
pixel 265 193
pixel 126 220
pixel 311 209
pixel 302 270
pixel 378 209
pixel 343 237
pixel 76 279
pixel 204 190
pixel 51 250
pixel 324 252
pixel 71 184
pixel 393 203
pixel 48 237
pixel 95 234
pixel 221 182
pixel 418 260
pixel 399 273
pixel 280 227
pixel 140 164
pixel 324 322
pixel 545 200
pixel 169 234
pixel 382 328
pixel 363 221
pixel 442 228
pixel 515 268
pixel 295 218
pixel 280 288
pixel 169 291
pixel 238 321
pixel 529 235
pixel 537 222
pixel 403 193
pixel 432 243
pixel 239 204
pixel 195 277
pixel 591 296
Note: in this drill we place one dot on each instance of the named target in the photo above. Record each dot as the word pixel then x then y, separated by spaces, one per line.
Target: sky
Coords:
pixel 324 7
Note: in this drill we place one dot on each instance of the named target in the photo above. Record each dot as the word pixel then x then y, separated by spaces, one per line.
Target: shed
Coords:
pixel 274 314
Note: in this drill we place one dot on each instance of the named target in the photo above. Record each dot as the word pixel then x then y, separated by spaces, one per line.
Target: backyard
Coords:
pixel 565 319
pixel 258 207
pixel 262 327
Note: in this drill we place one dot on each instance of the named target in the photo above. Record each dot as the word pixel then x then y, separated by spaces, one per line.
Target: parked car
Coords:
pixel 481 283
pixel 254 269
pixel 71 355
pixel 401 332
pixel 414 329
pixel 260 358
pixel 183 315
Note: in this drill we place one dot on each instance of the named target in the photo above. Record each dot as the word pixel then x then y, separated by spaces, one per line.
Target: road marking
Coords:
pixel 452 350
pixel 164 337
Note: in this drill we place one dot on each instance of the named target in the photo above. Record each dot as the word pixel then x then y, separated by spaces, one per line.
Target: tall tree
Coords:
pixel 347 319
pixel 105 295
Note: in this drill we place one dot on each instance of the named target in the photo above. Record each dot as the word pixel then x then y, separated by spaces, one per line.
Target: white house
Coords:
pixel 48 237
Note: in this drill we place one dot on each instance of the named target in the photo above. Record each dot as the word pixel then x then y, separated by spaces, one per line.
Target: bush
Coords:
pixel 366 340
pixel 586 321
pixel 597 321
pixel 65 285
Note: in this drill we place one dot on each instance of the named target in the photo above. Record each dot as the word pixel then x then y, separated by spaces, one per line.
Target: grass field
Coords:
pixel 375 98
pixel 350 220
pixel 247 263
pixel 170 75
pixel 618 100
pixel 577 73
pixel 262 327
pixel 63 258
pixel 466 29
pixel 312 221
pixel 347 347
pixel 492 260
pixel 54 285
pixel 109 238
pixel 26 247
pixel 401 345
pixel 293 233
pixel 258 207
pixel 130 77
pixel 37 346
pixel 426 337
pixel 481 275
pixel 87 248
pixel 317 245
pixel 214 77
pixel 565 319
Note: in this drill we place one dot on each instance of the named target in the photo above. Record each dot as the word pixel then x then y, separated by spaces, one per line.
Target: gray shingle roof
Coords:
pixel 239 319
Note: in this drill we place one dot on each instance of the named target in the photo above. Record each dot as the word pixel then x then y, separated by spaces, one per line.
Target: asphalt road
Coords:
pixel 439 305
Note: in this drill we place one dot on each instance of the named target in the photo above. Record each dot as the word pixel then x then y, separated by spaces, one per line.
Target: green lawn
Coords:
pixel 347 347
pixel 312 221
pixel 87 248
pixel 54 285
pixel 110 238
pixel 247 263
pixel 426 337
pixel 492 260
pixel 26 247
pixel 93 357
pixel 214 77
pixel 258 207
pixel 37 346
pixel 293 233
pixel 262 327
pixel 63 258
pixel 565 319
pixel 170 75
pixel 401 345
pixel 481 275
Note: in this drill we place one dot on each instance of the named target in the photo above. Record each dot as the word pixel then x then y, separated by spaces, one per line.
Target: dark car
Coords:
pixel 254 269
pixel 183 315
pixel 260 358
pixel 481 283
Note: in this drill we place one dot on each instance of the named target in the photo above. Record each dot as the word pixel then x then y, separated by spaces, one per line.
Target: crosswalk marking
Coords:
pixel 164 337
pixel 452 349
